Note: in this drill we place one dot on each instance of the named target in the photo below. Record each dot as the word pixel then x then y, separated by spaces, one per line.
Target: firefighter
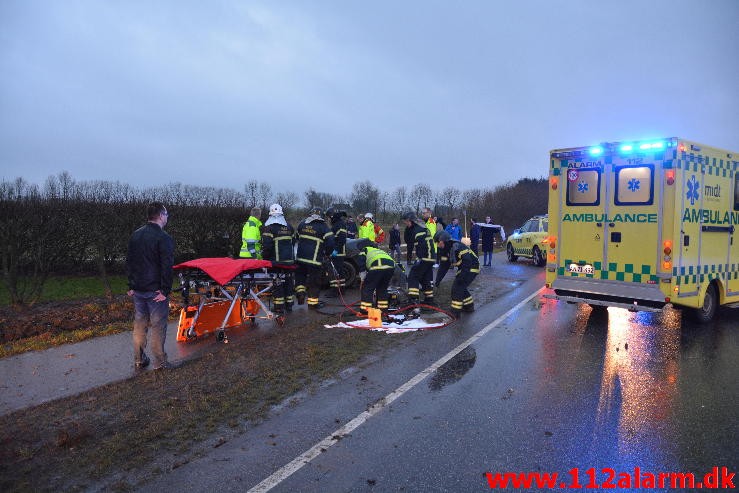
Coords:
pixel 422 271
pixel 367 228
pixel 277 246
pixel 251 236
pixel 376 268
pixel 338 227
pixel 468 266
pixel 315 243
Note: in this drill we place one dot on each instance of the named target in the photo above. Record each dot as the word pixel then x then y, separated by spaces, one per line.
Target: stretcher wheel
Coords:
pixel 280 320
pixel 220 335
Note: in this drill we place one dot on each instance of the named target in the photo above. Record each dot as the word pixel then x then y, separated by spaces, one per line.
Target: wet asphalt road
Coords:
pixel 552 387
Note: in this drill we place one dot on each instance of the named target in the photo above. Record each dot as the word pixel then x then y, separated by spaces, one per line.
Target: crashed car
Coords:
pixel 351 270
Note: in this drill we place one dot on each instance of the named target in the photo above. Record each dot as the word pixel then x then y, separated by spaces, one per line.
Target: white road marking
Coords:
pixel 296 464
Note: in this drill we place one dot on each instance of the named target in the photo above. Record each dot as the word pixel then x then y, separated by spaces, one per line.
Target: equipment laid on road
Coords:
pixel 641 225
pixel 228 293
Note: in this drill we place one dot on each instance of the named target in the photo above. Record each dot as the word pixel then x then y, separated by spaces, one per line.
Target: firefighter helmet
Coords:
pixel 369 216
pixel 316 211
pixel 275 210
pixel 442 236
pixel 410 216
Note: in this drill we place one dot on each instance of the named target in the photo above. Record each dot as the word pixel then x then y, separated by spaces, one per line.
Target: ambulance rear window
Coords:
pixel 736 190
pixel 583 186
pixel 634 185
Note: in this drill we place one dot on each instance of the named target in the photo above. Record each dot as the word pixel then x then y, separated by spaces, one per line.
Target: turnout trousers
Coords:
pixel 461 297
pixel 376 284
pixel 308 283
pixel 337 275
pixel 421 276
pixel 282 294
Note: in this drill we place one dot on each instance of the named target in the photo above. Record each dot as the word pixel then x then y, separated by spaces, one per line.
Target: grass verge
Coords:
pixel 72 442
pixel 47 340
pixel 64 288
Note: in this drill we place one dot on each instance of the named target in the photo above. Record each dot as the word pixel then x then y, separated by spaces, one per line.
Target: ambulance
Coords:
pixel 644 224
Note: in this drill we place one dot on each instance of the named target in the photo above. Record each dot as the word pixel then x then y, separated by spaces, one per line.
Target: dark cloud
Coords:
pixel 327 94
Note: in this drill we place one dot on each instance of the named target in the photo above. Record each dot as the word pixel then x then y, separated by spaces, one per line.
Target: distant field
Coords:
pixel 64 288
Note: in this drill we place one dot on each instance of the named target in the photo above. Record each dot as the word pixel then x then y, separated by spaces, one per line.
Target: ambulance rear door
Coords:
pixel 632 228
pixel 581 243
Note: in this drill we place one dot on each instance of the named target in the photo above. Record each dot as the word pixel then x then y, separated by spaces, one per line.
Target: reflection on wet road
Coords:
pixel 454 369
pixel 644 389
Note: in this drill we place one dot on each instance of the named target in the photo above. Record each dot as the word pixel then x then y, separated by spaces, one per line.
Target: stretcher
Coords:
pixel 222 293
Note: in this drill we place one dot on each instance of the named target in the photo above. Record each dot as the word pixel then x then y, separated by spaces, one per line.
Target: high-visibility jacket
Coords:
pixel 277 243
pixel 423 243
pixel 371 258
pixel 367 230
pixel 379 234
pixel 315 241
pixel 431 226
pixel 251 235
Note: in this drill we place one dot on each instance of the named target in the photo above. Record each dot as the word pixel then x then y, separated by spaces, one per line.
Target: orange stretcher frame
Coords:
pixel 230 292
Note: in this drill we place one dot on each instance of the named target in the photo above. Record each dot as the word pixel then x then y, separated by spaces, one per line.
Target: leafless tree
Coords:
pixel 288 200
pixel 421 196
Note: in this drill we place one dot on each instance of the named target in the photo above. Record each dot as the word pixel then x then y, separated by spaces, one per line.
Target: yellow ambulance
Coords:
pixel 644 224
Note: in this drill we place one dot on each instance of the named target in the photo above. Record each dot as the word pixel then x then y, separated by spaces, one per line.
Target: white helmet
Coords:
pixel 369 216
pixel 275 210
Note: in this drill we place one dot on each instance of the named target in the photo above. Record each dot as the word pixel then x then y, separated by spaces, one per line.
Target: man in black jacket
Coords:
pixel 149 267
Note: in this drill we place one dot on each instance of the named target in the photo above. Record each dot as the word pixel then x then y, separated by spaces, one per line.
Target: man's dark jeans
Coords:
pixel 149 314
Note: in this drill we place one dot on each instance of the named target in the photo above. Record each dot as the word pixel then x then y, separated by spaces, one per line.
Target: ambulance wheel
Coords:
pixel 539 260
pixel 710 304
pixel 512 257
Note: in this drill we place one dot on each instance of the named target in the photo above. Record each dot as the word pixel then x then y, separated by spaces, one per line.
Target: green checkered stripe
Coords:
pixel 693 274
pixel 714 167
pixel 613 271
pixel 523 251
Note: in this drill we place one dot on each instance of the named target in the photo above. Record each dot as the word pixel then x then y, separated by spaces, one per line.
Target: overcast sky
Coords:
pixel 328 93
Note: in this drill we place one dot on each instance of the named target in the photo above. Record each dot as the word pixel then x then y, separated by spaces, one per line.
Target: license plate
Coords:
pixel 581 269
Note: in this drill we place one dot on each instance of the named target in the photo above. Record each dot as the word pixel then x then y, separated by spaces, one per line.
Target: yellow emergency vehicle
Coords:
pixel 644 224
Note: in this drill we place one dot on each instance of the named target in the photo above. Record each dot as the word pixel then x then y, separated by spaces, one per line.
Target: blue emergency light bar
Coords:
pixel 625 148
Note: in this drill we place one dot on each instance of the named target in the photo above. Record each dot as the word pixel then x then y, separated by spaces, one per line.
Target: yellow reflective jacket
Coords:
pixel 371 258
pixel 367 230
pixel 251 235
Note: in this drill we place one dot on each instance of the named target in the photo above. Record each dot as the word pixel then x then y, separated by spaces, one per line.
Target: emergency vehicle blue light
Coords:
pixel 657 145
pixel 627 148
pixel 596 151
pixel 644 147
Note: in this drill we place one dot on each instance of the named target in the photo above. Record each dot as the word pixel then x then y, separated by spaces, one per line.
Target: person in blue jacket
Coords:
pixel 454 230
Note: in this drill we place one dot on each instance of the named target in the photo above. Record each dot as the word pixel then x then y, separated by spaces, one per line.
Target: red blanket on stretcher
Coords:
pixel 223 269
